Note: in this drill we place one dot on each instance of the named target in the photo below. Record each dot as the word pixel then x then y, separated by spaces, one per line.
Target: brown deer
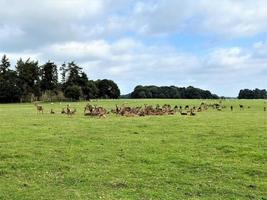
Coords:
pixel 70 111
pixel 192 113
pixel 183 113
pixel 39 108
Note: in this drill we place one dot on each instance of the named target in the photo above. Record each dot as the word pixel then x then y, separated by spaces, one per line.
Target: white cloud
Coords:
pixel 227 18
pixel 118 39
pixel 130 62
pixel 234 17
pixel 79 51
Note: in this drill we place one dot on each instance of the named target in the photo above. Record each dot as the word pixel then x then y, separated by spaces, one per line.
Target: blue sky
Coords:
pixel 220 45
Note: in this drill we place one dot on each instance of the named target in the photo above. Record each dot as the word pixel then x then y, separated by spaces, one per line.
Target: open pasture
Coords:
pixel 213 155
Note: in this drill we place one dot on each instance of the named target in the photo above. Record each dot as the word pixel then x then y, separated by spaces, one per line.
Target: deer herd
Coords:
pixel 141 111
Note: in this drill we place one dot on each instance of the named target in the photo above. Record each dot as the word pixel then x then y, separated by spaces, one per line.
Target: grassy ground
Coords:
pixel 214 155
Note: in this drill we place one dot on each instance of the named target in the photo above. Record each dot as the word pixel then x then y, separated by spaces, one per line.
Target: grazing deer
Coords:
pixel 39 108
pixel 241 107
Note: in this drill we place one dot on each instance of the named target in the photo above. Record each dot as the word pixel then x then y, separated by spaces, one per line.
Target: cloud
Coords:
pixel 38 23
pixel 228 18
pixel 130 62
pixel 144 42
pixel 32 24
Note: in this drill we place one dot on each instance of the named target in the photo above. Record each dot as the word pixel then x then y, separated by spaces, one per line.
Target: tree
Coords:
pixel 73 74
pixel 49 76
pixel 29 82
pixel 5 64
pixel 108 89
pixel 9 90
pixel 73 92
pixel 90 91
pixel 29 78
pixel 171 92
pixel 63 73
pixel 252 94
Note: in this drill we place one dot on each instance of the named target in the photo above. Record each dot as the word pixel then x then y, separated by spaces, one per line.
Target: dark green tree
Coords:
pixel 90 91
pixel 73 92
pixel 108 89
pixel 49 76
pixel 9 90
pixel 73 74
pixel 4 65
pixel 29 78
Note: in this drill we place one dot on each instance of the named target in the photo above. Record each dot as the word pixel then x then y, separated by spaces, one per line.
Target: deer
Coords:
pixel 39 108
pixel 191 113
pixel 70 111
pixel 183 113
pixel 52 111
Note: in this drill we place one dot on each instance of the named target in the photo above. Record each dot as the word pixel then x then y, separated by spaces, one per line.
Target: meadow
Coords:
pixel 213 155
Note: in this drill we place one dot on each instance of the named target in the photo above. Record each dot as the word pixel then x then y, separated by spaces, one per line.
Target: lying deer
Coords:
pixel 71 111
pixel 183 113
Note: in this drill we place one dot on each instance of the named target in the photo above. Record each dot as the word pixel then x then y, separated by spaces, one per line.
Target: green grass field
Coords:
pixel 214 155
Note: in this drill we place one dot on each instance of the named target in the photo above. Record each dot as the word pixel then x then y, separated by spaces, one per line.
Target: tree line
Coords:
pixel 29 81
pixel 252 94
pixel 171 92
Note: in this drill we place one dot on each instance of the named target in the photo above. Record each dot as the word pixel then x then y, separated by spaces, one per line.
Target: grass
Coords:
pixel 214 155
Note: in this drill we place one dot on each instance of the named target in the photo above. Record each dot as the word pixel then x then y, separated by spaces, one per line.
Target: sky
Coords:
pixel 219 45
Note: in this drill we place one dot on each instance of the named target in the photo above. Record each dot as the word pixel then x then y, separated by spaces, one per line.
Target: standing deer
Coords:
pixel 39 108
